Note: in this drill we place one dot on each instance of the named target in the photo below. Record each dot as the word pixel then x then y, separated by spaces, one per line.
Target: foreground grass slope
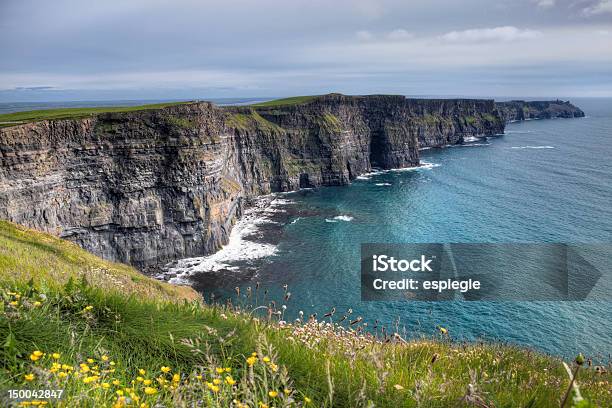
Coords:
pixel 111 337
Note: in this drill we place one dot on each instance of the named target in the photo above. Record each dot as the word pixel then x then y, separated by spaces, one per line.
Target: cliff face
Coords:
pixel 151 186
pixel 513 111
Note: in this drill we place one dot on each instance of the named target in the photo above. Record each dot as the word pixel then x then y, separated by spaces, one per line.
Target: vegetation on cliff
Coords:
pixel 116 338
pixel 15 118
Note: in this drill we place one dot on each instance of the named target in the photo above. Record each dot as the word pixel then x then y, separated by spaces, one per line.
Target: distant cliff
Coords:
pixel 146 187
pixel 513 111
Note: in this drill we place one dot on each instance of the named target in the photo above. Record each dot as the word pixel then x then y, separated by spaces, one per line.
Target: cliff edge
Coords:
pixel 149 186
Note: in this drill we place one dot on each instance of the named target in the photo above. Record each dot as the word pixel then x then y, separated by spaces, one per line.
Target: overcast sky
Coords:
pixel 154 49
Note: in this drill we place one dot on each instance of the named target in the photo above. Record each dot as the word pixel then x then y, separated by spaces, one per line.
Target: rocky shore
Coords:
pixel 151 186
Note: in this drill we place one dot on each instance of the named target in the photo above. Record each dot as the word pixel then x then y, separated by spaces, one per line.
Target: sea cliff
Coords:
pixel 147 187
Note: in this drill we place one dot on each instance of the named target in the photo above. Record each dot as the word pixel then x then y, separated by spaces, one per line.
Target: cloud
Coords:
pixel 364 35
pixel 599 7
pixel 399 34
pixel 544 3
pixel 505 34
pixel 34 88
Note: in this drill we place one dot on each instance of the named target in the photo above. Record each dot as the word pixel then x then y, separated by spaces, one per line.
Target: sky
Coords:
pixel 197 49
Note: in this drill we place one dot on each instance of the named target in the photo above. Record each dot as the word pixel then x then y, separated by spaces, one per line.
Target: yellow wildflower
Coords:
pixel 229 380
pixel 116 382
pixel 84 367
pixel 443 330
pixel 228 369
pixel 273 367
pixel 90 360
pixel 398 387
pixel 34 357
pixel 307 400
pixel 90 379
pixel 219 370
pixel 147 382
pixel 28 377
pixel 105 385
pixel 251 360
pixel 287 391
pixel 62 374
pixel 142 372
pixel 150 390
pixel 214 388
pixel 165 369
pixel 56 356
pixel 88 308
pixel 37 304
pixel 119 392
pixel 104 358
pixel 216 381
pixel 14 303
pixel 273 394
pixel 176 378
pixel 112 363
pixel 266 359
pixel 139 379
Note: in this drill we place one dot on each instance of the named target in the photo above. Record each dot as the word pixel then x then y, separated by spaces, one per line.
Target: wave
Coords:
pixel 337 218
pixel 532 147
pixel 238 248
pixel 384 184
pixel 518 132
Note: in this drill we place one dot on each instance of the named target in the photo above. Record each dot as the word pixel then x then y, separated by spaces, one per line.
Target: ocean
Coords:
pixel 542 181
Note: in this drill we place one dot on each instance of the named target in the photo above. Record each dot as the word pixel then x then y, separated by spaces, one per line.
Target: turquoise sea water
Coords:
pixel 543 181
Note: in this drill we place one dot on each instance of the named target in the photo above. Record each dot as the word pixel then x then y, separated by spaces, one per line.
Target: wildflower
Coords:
pixel 34 357
pixel 62 374
pixel 229 380
pixel 150 390
pixel 90 379
pixel 219 370
pixel 147 382
pixel 176 378
pixel 266 359
pixel 214 388
pixel 56 356
pixel 119 392
pixel 37 304
pixel 88 308
pixel 116 382
pixel 273 367
pixel 142 372
pixel 105 385
pixel 143 405
pixel 398 387
pixel 139 379
pixel 228 369
pixel 273 394
pixel 84 367
pixel 14 303
pixel 216 381
pixel 28 377
pixel 104 358
pixel 251 360
pixel 262 405
pixel 165 369
pixel 112 363
pixel 307 400
pixel 254 354
pixel 287 391
pixel 90 360
pixel 443 330
pixel 198 377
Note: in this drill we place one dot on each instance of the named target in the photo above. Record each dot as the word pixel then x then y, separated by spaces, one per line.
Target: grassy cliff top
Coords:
pixel 15 118
pixel 110 337
pixel 294 100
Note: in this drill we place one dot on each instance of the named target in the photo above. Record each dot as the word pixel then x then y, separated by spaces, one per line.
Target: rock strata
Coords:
pixel 147 187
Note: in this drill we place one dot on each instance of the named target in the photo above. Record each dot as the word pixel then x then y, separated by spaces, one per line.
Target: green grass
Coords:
pixel 294 100
pixel 10 119
pixel 85 317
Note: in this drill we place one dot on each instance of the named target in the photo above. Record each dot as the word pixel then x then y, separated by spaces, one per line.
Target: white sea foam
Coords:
pixel 337 218
pixel 238 248
pixel 296 220
pixel 532 147
pixel 363 177
pixel 424 166
pixel 383 184
pixel 471 139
